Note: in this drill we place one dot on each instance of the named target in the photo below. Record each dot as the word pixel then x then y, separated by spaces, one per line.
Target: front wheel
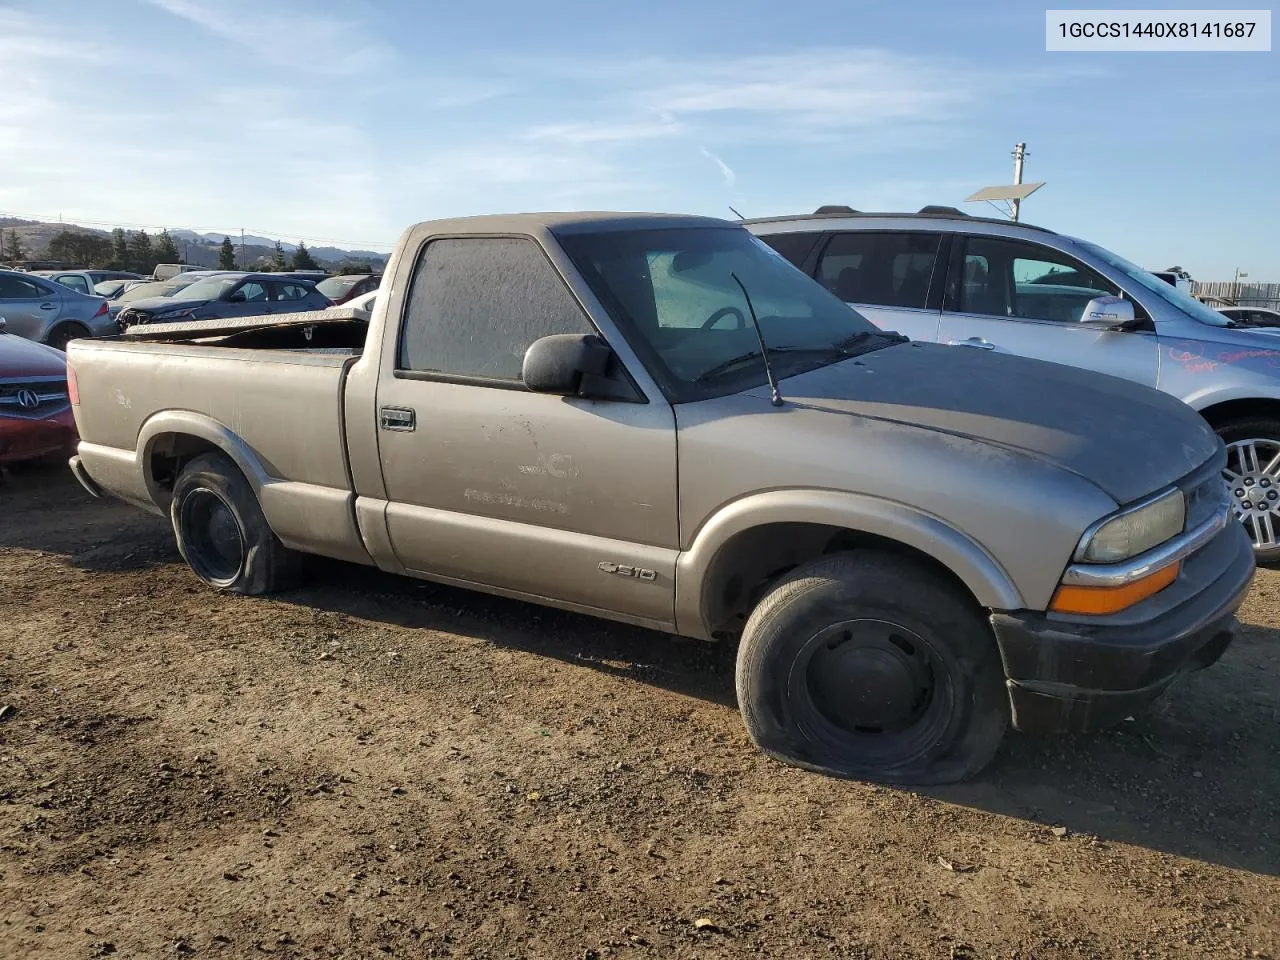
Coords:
pixel 872 666
pixel 222 533
pixel 1253 477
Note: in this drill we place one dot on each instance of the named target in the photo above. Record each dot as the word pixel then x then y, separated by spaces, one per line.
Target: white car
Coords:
pixel 363 304
pixel 1252 316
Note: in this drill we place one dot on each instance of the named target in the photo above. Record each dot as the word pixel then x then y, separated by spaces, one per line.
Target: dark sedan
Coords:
pixel 226 295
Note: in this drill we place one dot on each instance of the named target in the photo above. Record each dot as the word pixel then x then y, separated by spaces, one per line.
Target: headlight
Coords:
pixel 1136 531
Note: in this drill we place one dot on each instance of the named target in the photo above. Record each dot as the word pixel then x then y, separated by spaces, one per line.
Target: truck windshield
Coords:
pixel 1153 284
pixel 673 293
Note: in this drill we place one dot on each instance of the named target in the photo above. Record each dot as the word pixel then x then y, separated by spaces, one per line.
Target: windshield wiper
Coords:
pixel 849 344
pixel 739 360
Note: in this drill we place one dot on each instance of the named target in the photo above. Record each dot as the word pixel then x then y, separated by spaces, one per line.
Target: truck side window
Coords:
pixel 476 304
pixel 1009 278
pixel 884 269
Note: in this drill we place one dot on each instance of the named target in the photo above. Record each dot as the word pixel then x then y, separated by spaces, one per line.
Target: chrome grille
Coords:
pixel 35 397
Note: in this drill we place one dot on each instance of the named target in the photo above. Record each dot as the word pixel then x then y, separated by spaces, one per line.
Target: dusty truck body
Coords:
pixel 576 410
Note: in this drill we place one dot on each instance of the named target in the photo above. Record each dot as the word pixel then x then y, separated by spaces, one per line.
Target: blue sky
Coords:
pixel 347 121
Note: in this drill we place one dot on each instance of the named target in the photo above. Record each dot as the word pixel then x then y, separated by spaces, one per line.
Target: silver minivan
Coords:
pixel 941 275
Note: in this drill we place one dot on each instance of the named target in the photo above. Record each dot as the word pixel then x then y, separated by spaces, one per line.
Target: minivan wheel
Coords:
pixel 1253 477
pixel 872 666
pixel 222 533
pixel 64 333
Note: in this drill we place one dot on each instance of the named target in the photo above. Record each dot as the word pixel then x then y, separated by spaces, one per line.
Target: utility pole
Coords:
pixel 1235 285
pixel 242 248
pixel 1019 154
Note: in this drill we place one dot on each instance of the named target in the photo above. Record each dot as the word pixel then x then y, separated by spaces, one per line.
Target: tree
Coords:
pixel 1179 272
pixel 356 266
pixel 119 250
pixel 81 248
pixel 302 259
pixel 278 261
pixel 141 257
pixel 226 255
pixel 12 251
pixel 166 251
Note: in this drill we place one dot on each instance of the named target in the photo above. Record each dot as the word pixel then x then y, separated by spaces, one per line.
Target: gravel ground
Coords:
pixel 371 766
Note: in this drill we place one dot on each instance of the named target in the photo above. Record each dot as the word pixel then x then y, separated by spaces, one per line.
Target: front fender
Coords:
pixel 985 578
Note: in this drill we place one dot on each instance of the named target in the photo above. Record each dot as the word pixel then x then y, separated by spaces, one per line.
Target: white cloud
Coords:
pixel 300 38
pixel 730 178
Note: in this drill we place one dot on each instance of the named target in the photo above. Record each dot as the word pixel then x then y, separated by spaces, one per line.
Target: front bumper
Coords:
pixel 1086 673
pixel 31 439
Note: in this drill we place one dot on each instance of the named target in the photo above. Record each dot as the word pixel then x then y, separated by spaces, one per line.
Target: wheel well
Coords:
pixel 752 560
pixel 1220 414
pixel 66 325
pixel 170 452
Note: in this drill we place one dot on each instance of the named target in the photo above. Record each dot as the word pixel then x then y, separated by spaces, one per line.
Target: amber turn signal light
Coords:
pixel 1096 601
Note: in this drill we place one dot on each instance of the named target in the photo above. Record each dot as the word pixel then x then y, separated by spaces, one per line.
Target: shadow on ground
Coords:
pixel 1197 776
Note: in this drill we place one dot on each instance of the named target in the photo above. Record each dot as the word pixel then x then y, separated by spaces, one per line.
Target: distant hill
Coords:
pixel 200 248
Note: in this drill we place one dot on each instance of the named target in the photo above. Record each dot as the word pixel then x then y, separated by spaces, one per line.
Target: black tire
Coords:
pixel 1253 428
pixel 871 666
pixel 222 533
pixel 64 333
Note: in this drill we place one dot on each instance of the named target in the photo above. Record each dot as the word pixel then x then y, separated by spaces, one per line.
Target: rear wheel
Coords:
pixel 1253 477
pixel 64 333
pixel 872 666
pixel 222 533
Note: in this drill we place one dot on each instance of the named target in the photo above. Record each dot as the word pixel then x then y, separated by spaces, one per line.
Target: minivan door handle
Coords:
pixel 48 306
pixel 976 342
pixel 397 418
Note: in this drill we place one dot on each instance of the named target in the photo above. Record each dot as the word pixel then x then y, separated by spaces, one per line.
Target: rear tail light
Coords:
pixel 73 386
pixel 102 308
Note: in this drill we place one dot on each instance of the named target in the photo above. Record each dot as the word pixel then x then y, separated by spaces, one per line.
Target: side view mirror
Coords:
pixel 1107 312
pixel 237 297
pixel 558 364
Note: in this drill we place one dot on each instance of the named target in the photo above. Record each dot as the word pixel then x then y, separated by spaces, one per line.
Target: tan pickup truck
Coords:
pixel 658 420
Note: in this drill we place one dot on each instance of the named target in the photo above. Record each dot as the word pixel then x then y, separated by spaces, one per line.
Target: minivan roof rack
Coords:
pixel 932 211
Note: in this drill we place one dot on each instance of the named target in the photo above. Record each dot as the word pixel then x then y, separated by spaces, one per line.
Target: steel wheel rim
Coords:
pixel 215 539
pixel 1253 476
pixel 874 686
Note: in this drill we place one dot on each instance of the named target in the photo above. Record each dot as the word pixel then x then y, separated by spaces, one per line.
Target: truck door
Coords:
pixel 490 484
pixel 1027 298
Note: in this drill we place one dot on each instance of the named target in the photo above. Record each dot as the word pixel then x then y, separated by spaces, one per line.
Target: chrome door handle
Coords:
pixel 397 418
pixel 976 342
pixel 48 306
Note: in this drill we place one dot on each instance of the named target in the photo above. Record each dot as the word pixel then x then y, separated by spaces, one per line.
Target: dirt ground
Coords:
pixel 372 766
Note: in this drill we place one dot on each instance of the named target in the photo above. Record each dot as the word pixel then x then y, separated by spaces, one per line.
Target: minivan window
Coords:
pixel 1171 295
pixel 1011 278
pixel 882 269
pixel 796 247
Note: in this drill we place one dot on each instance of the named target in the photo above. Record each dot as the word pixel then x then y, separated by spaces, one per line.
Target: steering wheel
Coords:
pixel 720 314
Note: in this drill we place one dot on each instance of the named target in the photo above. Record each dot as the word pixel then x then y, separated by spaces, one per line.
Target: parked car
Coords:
pixel 349 286
pixel 992 285
pixel 167 271
pixel 151 289
pixel 113 288
pixel 363 304
pixel 1251 316
pixel 40 309
pixel 36 421
pixel 656 420
pixel 83 281
pixel 226 295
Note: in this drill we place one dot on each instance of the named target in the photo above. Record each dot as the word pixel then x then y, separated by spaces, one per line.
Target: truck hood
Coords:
pixel 26 358
pixel 1127 439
